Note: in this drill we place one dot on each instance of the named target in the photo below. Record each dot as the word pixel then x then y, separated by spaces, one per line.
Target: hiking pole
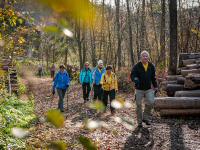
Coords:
pixel 67 99
pixel 91 93
pixel 49 98
pixel 51 102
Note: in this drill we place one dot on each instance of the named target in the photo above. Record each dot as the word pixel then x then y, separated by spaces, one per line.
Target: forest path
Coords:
pixel 163 133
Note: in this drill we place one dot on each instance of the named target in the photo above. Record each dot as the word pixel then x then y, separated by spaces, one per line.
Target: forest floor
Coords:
pixel 162 134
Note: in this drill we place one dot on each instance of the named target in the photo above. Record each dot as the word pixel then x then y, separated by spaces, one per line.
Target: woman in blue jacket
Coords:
pixel 96 77
pixel 61 84
pixel 86 81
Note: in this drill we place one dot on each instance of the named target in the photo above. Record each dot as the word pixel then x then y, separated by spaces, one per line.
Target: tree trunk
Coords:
pixel 142 32
pixel 173 77
pixel 84 50
pixel 93 47
pixel 192 93
pixel 193 66
pixel 175 87
pixel 172 88
pixel 79 42
pixel 197 43
pixel 180 80
pixel 180 112
pixel 154 28
pixel 130 34
pixel 108 52
pixel 47 59
pixel 53 55
pixel 186 72
pixel 173 36
pixel 181 42
pixel 119 54
pixel 194 77
pixel 184 56
pixel 137 35
pixel 2 4
pixel 177 102
pixel 162 34
pixel 102 30
pixel 66 56
pixel 189 61
pixel 189 84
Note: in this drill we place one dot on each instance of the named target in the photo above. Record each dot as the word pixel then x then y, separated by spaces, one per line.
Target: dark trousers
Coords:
pixel 86 91
pixel 40 73
pixel 98 92
pixel 52 74
pixel 61 94
pixel 111 95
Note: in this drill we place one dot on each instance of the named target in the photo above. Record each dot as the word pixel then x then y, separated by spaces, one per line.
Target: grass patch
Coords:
pixel 22 87
pixel 15 113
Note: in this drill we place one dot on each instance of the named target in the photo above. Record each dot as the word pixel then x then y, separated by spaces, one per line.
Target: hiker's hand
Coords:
pixel 155 91
pixel 53 92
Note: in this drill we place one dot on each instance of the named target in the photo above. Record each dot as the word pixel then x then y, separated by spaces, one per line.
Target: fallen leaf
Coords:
pixel 56 118
pixel 87 143
pixel 58 145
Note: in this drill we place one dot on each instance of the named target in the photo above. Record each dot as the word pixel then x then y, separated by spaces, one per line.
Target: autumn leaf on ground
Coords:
pixel 97 105
pixel 87 143
pixel 56 118
pixel 58 145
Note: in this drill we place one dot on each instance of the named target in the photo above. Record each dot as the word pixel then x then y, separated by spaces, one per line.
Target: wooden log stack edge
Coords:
pixel 183 89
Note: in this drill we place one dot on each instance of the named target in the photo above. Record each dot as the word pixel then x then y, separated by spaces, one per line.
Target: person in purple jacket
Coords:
pixel 60 84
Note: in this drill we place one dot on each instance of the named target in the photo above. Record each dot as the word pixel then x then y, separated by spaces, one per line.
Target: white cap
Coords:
pixel 100 62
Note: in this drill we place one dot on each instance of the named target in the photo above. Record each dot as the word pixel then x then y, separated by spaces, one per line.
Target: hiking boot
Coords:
pixel 139 125
pixel 113 112
pixel 147 122
pixel 85 100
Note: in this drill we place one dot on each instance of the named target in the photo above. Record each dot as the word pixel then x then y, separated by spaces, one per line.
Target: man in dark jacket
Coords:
pixel 143 75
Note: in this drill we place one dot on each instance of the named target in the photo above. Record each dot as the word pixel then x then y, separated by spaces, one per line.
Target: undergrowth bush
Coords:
pixel 22 87
pixel 124 82
pixel 14 113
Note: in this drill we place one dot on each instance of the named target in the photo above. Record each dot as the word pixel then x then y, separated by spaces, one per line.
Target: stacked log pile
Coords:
pixel 183 89
pixel 11 72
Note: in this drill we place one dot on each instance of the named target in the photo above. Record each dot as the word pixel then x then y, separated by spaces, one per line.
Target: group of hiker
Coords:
pixel 41 70
pixel 102 81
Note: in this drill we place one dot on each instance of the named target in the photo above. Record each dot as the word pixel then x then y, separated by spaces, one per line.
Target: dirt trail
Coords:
pixel 165 134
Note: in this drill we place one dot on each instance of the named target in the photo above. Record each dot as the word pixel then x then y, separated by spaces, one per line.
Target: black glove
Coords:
pixel 136 81
pixel 156 91
pixel 53 92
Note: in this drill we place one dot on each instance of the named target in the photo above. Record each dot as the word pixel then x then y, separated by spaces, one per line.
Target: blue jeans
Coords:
pixel 61 94
pixel 148 96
